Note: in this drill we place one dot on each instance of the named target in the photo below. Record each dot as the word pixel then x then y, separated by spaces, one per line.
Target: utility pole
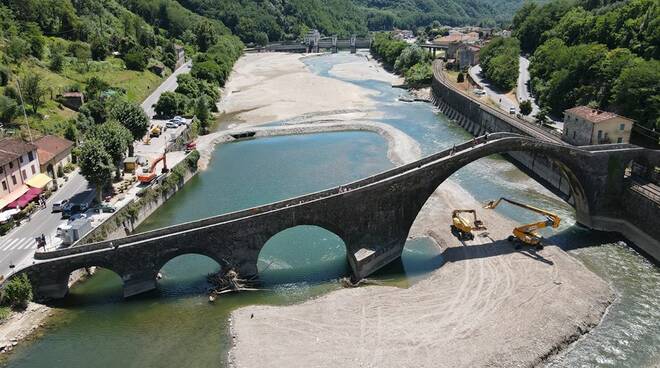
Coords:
pixel 27 122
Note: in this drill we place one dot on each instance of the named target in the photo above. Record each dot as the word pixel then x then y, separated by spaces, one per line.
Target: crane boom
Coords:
pixel 527 233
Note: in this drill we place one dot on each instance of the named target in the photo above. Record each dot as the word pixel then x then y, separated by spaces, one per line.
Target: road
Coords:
pixel 498 96
pixel 522 90
pixel 168 85
pixel 18 246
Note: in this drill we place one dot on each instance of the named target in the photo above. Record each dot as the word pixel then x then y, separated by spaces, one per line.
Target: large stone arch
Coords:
pixel 567 158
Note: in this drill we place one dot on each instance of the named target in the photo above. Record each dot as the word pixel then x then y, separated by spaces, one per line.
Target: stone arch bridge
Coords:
pixel 372 216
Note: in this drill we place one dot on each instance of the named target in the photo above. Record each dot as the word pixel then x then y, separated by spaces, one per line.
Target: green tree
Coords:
pixel 202 113
pixel 500 60
pixel 410 56
pixel 99 48
pixel 33 91
pixel 170 104
pixel 18 48
pixel 542 116
pixel 17 293
pixel 95 164
pixel 526 107
pixel 209 71
pixel 136 59
pixel 94 87
pixel 131 116
pixel 261 38
pixel 206 34
pixel 95 110
pixel 8 109
pixel 636 93
pixel 57 62
pixel 419 75
pixel 5 75
pixel 115 139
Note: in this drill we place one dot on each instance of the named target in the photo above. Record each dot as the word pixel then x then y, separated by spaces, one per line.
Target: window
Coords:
pixel 33 170
pixel 11 165
pixel 4 185
pixel 622 127
pixel 619 140
pixel 30 155
pixel 20 159
pixel 600 134
pixel 24 174
pixel 13 179
pixel 573 135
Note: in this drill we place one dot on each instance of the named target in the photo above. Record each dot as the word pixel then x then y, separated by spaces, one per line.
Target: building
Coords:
pixel 19 163
pixel 72 100
pixel 312 37
pixel 586 126
pixel 403 34
pixel 54 152
pixel 467 56
pixel 179 55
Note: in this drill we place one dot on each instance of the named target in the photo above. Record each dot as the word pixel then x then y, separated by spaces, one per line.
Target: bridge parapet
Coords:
pixel 267 207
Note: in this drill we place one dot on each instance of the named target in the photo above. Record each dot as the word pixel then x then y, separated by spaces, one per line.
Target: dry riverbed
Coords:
pixel 488 305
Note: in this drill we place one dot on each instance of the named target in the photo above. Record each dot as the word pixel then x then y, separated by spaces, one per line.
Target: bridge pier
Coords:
pixel 139 283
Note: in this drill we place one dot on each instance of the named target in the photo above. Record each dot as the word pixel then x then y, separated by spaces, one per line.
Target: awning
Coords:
pixel 15 194
pixel 26 198
pixel 39 181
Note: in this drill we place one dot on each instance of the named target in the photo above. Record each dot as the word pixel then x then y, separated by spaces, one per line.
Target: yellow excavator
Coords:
pixel 526 234
pixel 462 228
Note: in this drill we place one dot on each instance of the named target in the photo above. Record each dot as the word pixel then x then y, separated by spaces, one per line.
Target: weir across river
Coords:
pixel 373 216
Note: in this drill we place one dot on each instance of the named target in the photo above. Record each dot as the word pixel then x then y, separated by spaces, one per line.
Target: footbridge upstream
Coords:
pixel 373 216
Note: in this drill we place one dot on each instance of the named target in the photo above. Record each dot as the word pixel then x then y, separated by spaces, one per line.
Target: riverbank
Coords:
pixel 519 307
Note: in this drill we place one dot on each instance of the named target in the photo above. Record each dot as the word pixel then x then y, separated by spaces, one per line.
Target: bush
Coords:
pixel 69 167
pixel 5 75
pixel 4 313
pixel 419 75
pixel 18 292
pixel 136 59
pixel 4 228
pixel 170 104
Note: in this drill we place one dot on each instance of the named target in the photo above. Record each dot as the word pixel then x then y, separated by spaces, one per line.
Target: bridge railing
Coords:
pixel 272 206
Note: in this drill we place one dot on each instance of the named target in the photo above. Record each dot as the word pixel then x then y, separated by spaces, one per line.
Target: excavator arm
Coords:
pixel 528 233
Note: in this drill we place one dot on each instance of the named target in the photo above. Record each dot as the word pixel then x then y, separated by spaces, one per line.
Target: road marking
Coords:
pixel 9 244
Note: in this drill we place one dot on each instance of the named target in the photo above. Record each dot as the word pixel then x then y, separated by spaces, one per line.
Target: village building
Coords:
pixel 403 34
pixel 72 100
pixel 19 170
pixel 179 55
pixel 54 152
pixel 584 125
pixel 467 55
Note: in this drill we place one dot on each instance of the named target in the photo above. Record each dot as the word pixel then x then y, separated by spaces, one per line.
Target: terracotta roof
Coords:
pixel 593 115
pixel 13 148
pixel 50 146
pixel 455 37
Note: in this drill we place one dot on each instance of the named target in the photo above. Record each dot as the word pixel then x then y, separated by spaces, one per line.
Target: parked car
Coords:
pixel 73 208
pixel 103 208
pixel 77 216
pixel 59 205
pixel 512 110
pixel 479 92
pixel 171 125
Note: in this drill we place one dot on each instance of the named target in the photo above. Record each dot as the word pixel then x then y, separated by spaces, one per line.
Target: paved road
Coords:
pixel 18 246
pixel 496 95
pixel 522 90
pixel 168 85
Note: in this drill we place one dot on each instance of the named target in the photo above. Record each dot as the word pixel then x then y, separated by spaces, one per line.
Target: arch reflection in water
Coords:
pixel 186 274
pixel 303 253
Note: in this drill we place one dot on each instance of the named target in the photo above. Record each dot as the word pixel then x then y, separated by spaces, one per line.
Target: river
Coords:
pixel 175 326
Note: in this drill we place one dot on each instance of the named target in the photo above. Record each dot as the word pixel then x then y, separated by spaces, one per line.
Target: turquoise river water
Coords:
pixel 175 326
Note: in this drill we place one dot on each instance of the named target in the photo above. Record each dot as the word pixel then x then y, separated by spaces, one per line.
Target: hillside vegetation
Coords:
pixel 274 20
pixel 598 53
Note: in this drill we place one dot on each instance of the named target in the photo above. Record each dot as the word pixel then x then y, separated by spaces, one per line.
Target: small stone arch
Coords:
pixel 338 235
pixel 169 256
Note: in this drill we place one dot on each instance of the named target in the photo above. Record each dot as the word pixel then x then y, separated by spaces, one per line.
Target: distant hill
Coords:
pixel 410 14
pixel 251 19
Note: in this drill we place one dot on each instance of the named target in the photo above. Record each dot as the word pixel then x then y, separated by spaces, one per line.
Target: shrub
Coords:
pixel 4 313
pixel 4 228
pixel 419 75
pixel 5 75
pixel 136 59
pixel 17 292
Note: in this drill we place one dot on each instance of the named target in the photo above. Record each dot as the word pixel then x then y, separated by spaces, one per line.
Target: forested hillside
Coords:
pixel 99 48
pixel 598 53
pixel 273 20
pixel 410 14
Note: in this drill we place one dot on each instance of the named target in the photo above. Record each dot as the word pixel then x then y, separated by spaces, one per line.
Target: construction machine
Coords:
pixel 148 175
pixel 527 234
pixel 462 228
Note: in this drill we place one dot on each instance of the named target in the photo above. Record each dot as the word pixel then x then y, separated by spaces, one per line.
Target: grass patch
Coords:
pixel 5 312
